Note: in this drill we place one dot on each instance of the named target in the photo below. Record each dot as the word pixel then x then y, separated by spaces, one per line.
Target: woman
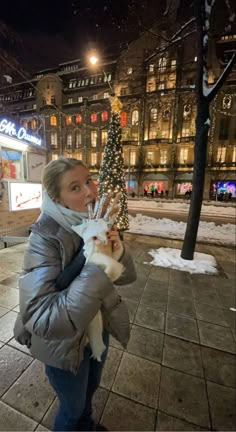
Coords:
pixel 58 320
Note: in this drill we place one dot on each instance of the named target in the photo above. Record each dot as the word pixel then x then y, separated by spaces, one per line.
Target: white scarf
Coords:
pixel 64 216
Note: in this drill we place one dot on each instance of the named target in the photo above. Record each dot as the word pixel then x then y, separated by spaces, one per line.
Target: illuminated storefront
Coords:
pixel 22 159
pixel 183 184
pixel 224 189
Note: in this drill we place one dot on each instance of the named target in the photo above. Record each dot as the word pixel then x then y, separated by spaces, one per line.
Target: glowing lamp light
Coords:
pixel 93 60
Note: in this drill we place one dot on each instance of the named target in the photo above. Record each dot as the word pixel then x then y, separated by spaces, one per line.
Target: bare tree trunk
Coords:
pixel 204 96
pixel 200 154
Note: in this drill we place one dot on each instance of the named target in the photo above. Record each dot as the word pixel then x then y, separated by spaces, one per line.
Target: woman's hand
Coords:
pixel 117 246
pixel 114 247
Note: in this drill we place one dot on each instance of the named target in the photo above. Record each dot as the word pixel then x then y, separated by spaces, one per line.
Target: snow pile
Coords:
pixel 170 258
pixel 207 232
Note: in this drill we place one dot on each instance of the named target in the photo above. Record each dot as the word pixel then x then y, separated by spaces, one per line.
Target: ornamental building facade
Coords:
pixel 157 117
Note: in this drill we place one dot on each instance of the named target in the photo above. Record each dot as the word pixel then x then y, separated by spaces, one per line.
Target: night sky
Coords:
pixel 56 31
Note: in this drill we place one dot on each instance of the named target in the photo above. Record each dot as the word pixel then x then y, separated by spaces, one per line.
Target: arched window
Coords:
pixel 104 116
pixel 78 118
pixel 93 117
pixel 153 115
pixel 123 119
pixel 135 117
pixel 53 120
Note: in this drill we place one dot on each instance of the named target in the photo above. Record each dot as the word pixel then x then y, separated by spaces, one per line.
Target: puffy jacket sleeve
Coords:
pixel 53 314
pixel 129 274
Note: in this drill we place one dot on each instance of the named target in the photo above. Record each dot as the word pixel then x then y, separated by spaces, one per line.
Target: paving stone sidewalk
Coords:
pixel 178 372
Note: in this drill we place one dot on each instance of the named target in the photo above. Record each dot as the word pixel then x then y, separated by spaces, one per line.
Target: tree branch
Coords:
pixel 167 46
pixel 183 28
pixel 214 90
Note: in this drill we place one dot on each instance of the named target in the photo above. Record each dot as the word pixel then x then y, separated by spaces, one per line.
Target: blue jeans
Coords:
pixel 75 392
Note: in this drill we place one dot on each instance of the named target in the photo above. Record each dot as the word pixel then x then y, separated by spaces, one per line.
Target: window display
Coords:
pixel 11 161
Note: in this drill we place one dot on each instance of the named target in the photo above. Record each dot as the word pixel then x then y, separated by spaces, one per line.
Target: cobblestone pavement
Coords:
pixel 178 372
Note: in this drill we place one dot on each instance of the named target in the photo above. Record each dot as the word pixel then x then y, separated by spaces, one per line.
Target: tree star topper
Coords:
pixel 116 104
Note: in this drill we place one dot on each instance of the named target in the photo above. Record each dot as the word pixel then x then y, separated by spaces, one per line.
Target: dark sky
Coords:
pixel 56 31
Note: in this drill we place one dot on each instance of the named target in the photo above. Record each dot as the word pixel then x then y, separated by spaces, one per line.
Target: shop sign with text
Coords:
pixel 10 129
pixel 25 196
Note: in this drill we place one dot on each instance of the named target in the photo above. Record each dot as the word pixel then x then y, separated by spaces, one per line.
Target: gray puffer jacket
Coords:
pixel 57 320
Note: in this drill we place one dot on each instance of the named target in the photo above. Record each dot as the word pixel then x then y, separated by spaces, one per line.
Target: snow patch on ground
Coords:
pixel 170 258
pixel 207 232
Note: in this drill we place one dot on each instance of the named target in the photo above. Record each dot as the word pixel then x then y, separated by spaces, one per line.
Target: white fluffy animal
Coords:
pixel 88 230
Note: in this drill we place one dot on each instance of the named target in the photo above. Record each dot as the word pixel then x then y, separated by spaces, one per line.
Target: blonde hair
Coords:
pixel 53 173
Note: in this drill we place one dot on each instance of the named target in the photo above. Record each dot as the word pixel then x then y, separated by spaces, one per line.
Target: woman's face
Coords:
pixel 77 189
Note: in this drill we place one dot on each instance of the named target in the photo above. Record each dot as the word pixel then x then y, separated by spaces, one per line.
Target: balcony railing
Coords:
pixel 186 139
pixel 158 141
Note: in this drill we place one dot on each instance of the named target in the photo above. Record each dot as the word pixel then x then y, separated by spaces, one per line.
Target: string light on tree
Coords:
pixel 112 175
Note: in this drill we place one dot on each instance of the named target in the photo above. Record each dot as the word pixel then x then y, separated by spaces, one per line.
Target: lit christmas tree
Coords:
pixel 111 175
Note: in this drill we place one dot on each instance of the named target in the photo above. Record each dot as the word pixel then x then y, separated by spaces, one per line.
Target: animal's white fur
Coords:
pixel 113 269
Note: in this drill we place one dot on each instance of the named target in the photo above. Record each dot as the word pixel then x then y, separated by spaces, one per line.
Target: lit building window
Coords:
pixel 185 131
pixel 34 106
pixel 78 118
pixel 54 139
pixel 33 124
pixel 221 152
pixel 162 64
pixel 106 95
pixel 80 99
pixel 78 139
pixel 153 115
pixel 68 120
pixel 151 68
pixel 173 64
pixel 94 137
pixel 134 135
pixel 104 116
pixel 69 140
pixel 94 159
pixel 93 117
pixel 132 158
pixel 70 100
pixel 161 86
pixel 135 118
pixel 77 155
pixel 54 156
pixel 151 86
pixel 150 157
pixel 53 120
pixel 123 119
pixel 234 155
pixel 183 155
pixel 163 157
pixel 104 137
pixel 129 71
